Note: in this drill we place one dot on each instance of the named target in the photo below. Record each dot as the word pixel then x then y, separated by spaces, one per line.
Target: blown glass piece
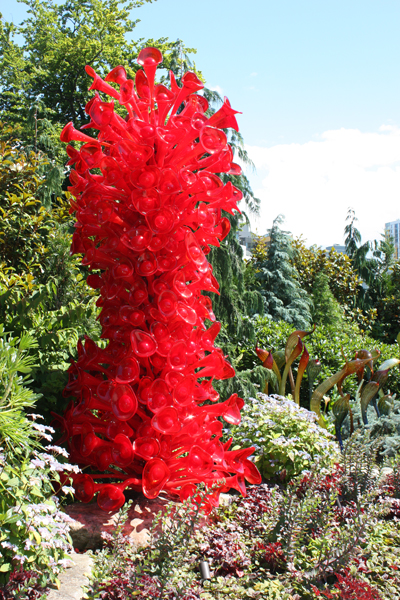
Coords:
pixel 146 218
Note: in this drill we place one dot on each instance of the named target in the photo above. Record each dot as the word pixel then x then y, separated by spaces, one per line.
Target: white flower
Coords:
pixel 10 546
pixel 36 462
pixel 42 428
pixel 34 417
pixel 65 562
pixel 59 450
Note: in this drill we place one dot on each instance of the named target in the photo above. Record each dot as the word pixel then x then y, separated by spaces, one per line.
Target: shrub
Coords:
pixel 120 572
pixel 33 531
pixel 16 431
pixel 286 437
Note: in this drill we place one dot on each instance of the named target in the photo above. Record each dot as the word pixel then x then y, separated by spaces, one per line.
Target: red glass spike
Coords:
pixel 155 475
pixel 117 75
pixel 124 402
pixel 149 205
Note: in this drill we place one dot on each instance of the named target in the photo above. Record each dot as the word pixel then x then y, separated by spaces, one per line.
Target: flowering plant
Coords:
pixel 33 531
pixel 286 437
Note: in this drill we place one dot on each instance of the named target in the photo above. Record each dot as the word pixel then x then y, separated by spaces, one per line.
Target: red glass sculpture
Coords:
pixel 148 206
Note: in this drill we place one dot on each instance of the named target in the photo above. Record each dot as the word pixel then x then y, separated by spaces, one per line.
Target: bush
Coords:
pixel 33 531
pixel 286 437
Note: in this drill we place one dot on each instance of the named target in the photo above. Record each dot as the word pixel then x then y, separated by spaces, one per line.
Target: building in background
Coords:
pixel 338 248
pixel 392 230
pixel 247 240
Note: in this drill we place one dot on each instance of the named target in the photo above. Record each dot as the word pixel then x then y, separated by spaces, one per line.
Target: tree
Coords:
pixel 59 40
pixel 343 280
pixel 326 309
pixel 43 294
pixel 278 280
pixel 353 236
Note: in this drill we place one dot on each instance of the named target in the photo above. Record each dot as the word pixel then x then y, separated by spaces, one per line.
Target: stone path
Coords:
pixel 73 579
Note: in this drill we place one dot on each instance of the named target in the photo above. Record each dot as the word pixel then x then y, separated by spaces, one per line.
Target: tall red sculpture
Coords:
pixel 148 206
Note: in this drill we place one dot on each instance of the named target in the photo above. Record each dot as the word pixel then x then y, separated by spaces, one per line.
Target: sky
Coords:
pixel 318 83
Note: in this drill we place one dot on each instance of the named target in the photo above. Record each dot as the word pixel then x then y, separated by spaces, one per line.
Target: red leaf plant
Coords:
pixel 148 206
pixel 350 588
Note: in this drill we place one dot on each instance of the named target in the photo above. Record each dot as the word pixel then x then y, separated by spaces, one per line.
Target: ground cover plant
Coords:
pixel 324 535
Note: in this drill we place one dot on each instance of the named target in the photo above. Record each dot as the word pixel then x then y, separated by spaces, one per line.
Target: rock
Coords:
pixel 89 520
pixel 73 579
pixel 385 471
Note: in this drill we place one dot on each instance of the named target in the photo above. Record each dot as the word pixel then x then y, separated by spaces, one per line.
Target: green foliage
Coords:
pixel 33 531
pixel 326 309
pixel 286 438
pixel 353 236
pixel 331 345
pixel 387 304
pixel 58 40
pixel 25 223
pixel 380 295
pixel 359 467
pixel 16 433
pixel 234 307
pixel 343 280
pixel 43 293
pixel 277 278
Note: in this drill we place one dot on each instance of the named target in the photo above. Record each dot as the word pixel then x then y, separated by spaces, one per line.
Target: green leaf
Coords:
pixel 6 567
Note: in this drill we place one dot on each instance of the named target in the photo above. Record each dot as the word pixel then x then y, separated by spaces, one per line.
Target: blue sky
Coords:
pixel 318 83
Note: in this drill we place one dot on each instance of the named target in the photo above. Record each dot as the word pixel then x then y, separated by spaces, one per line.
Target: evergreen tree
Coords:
pixel 283 297
pixel 353 236
pixel 326 309
pixel 237 301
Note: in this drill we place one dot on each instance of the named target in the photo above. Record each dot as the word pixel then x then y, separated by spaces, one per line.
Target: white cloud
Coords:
pixel 253 74
pixel 313 184
pixel 216 88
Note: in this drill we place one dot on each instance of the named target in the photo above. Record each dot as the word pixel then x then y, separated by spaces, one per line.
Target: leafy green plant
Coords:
pixel 33 531
pixel 327 343
pixel 43 293
pixel 286 437
pixel 16 431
